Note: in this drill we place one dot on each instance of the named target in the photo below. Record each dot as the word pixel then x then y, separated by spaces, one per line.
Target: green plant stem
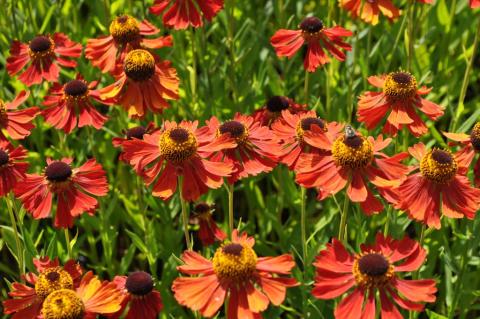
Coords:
pixel 106 6
pixel 9 201
pixel 229 10
pixel 466 79
pixel 387 222
pixel 343 220
pixel 305 87
pixel 303 224
pixel 230 208
pixel 193 78
pixel 411 33
pixel 67 240
pixel 184 213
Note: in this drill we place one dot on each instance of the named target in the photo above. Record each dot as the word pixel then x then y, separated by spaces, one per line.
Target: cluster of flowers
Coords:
pixel 193 159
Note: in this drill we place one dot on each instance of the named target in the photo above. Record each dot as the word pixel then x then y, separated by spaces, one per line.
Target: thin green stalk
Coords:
pixel 305 87
pixel 231 46
pixel 193 78
pixel 106 6
pixel 397 40
pixel 9 201
pixel 466 78
pixel 411 33
pixel 387 222
pixel 303 224
pixel 327 88
pixel 230 208
pixel 343 220
pixel 67 240
pixel 184 213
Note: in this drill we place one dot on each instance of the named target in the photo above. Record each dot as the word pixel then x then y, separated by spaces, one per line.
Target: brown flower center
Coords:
pixel 139 283
pixel 63 304
pixel 475 137
pixel 234 262
pixel 178 144
pixel 352 151
pixel 311 25
pixel 58 172
pixel 439 166
pixel 4 158
pixel 75 88
pixel 400 86
pixel 139 65
pixel 277 104
pixel 372 270
pixel 124 29
pixel 202 208
pixel 237 130
pixel 373 265
pixel 52 279
pixel 136 132
pixel 307 123
pixel 41 46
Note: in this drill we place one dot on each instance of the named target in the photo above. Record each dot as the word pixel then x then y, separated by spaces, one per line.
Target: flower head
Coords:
pixel 272 110
pixel 12 166
pixel 256 147
pixel 27 299
pixel 369 10
pixel 315 35
pixel 378 268
pixel 17 123
pixel 401 98
pixel 474 4
pixel 353 161
pixel 438 186
pixel 144 82
pixel 72 187
pixel 236 272
pixel 43 54
pixel 178 150
pixel 73 99
pixel 126 34
pixel 140 297
pixel 303 133
pixel 136 132
pixel 180 14
pixel 208 232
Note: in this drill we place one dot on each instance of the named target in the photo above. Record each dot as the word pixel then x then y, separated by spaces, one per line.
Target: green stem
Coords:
pixel 411 33
pixel 193 78
pixel 343 220
pixel 184 213
pixel 305 87
pixel 231 46
pixel 387 222
pixel 8 200
pixel 303 225
pixel 67 240
pixel 466 78
pixel 106 6
pixel 230 208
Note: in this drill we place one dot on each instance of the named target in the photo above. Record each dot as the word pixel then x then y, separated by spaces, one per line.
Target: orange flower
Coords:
pixel 353 161
pixel 126 33
pixel 27 299
pixel 136 132
pixel 401 97
pixel 144 82
pixel 376 268
pixel 250 283
pixel 474 4
pixel 12 167
pixel 208 232
pixel 178 150
pixel 438 187
pixel 44 53
pixel 369 10
pixel 256 147
pixel 17 123
pixel 273 108
pixel 303 133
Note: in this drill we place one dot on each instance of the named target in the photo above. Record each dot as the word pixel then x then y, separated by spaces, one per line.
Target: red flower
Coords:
pixel 376 268
pixel 18 124
pixel 43 53
pixel 72 187
pixel 401 97
pixel 354 160
pixel 65 102
pixel 236 273
pixel 369 11
pixel 126 33
pixel 27 299
pixel 425 1
pixel 139 296
pixel 136 132
pixel 303 133
pixel 184 13
pixel 12 168
pixel 474 4
pixel 273 108
pixel 256 147
pixel 313 33
pixel 209 232
pixel 178 150
pixel 471 145
pixel 144 82
pixel 438 187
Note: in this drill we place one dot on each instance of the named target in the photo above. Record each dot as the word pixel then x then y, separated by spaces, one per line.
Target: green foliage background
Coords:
pixel 226 67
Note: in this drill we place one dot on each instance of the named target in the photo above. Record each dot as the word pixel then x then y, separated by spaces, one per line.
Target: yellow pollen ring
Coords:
pixel 63 304
pixel 400 86
pixel 475 137
pixel 139 65
pixel 352 157
pixel 42 54
pixel 371 281
pixel 439 166
pixel 236 266
pixel 124 29
pixel 52 279
pixel 177 150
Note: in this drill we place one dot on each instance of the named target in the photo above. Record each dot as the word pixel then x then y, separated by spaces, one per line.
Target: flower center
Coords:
pixel 400 86
pixel 352 151
pixel 277 104
pixel 178 144
pixel 234 262
pixel 63 304
pixel 202 208
pixel 41 46
pixel 4 158
pixel 439 166
pixel 311 25
pixel 58 172
pixel 124 29
pixel 475 137
pixel 139 283
pixel 139 65
pixel 237 130
pixel 136 132
pixel 75 88
pixel 372 270
pixel 52 279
